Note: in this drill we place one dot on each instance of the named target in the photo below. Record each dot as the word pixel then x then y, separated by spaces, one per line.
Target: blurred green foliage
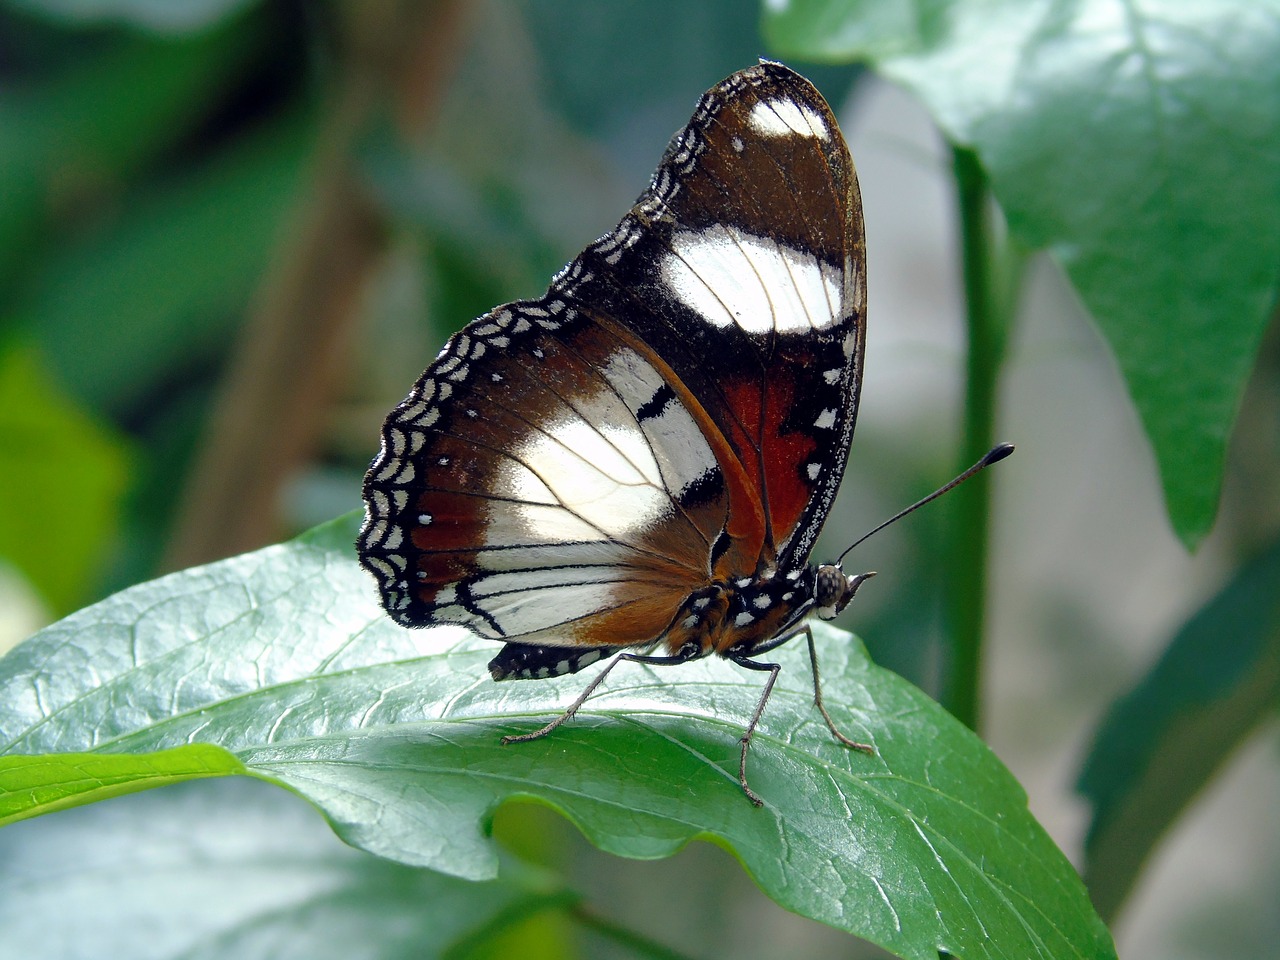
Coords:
pixel 157 161
pixel 145 180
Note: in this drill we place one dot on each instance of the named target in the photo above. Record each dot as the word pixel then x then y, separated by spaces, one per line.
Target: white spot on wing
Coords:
pixel 682 454
pixel 729 277
pixel 581 481
pixel 784 118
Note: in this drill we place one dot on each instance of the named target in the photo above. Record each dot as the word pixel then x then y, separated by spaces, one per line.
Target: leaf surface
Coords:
pixel 1164 740
pixel 237 869
pixel 283 658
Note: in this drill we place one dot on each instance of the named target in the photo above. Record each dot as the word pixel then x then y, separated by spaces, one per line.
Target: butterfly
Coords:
pixel 637 464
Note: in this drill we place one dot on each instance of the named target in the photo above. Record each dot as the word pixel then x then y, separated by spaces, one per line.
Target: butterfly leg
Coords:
pixel 817 700
pixel 686 653
pixel 772 669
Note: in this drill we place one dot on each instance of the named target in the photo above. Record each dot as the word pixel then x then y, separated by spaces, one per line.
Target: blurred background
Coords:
pixel 233 232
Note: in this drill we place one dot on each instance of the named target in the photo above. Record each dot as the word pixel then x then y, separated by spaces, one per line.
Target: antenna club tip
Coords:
pixel 998 453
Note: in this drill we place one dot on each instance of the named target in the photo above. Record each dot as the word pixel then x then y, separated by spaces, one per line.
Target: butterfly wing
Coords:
pixel 540 484
pixel 744 266
pixel 676 409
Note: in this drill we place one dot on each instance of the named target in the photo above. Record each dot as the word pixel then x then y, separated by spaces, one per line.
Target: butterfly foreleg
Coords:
pixel 686 653
pixel 817 699
pixel 773 669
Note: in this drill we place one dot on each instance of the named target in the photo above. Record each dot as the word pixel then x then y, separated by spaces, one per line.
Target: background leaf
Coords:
pixel 158 290
pixel 67 473
pixel 162 16
pixel 283 658
pixel 1166 738
pixel 1140 146
pixel 72 137
pixel 236 869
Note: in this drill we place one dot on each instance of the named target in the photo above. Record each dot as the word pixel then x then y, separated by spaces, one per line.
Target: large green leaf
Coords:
pixel 1139 143
pixel 283 658
pixel 237 870
pixel 1166 738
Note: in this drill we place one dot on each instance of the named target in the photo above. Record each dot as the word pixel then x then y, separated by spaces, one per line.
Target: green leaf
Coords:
pixel 236 869
pixel 82 131
pixel 283 658
pixel 1140 146
pixel 30 786
pixel 1168 736
pixel 647 93
pixel 62 475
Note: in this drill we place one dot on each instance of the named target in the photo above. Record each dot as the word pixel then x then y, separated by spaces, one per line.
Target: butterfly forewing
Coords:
pixel 676 411
pixel 743 265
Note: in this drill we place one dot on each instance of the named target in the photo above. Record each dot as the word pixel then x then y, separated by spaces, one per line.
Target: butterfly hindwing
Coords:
pixel 543 482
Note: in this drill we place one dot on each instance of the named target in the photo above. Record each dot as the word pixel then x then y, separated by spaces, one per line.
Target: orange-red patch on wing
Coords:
pixel 782 451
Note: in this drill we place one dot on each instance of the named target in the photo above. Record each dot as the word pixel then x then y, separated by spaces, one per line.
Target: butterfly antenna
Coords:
pixel 994 455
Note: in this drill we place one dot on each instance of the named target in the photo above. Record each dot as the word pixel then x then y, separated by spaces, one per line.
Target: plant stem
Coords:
pixel 986 310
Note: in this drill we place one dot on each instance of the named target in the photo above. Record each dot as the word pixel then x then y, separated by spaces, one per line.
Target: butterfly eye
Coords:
pixel 828 591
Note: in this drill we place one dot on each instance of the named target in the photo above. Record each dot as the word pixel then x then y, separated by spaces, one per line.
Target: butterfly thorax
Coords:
pixel 753 615
pixel 746 613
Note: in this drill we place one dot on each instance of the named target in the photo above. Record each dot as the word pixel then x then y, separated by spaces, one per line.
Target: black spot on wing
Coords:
pixel 705 489
pixel 653 408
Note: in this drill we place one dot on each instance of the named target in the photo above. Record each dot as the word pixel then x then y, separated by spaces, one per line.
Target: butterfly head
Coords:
pixel 833 589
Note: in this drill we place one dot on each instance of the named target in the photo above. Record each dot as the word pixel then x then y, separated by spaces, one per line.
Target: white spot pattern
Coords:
pixel 785 118
pixel 729 276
